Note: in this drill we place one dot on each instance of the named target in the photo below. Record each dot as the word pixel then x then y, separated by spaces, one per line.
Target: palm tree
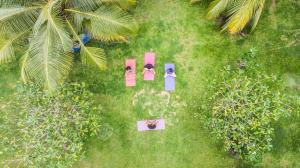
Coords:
pixel 239 13
pixel 48 28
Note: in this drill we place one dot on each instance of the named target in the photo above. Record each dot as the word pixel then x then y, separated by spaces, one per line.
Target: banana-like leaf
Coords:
pixel 108 23
pixel 90 55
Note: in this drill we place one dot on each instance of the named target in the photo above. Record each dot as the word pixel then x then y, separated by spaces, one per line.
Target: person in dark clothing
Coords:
pixel 170 72
pixel 149 67
pixel 151 124
pixel 128 70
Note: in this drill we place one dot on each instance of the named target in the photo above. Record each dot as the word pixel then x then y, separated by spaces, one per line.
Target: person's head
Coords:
pixel 149 66
pixel 128 68
pixel 151 125
pixel 170 71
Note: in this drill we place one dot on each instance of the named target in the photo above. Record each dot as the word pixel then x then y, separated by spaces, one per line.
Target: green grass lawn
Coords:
pixel 171 34
pixel 179 33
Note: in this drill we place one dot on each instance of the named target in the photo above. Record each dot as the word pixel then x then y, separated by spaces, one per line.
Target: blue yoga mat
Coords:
pixel 169 80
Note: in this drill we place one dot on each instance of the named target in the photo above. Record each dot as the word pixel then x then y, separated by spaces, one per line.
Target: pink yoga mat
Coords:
pixel 142 126
pixel 130 79
pixel 149 58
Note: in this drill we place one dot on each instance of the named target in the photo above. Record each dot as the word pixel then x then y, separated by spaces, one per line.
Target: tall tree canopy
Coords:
pixel 49 28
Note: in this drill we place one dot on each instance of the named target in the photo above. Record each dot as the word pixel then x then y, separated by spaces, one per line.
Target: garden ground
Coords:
pixel 178 32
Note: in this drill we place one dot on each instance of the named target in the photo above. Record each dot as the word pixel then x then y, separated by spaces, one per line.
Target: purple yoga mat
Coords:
pixel 169 80
pixel 142 126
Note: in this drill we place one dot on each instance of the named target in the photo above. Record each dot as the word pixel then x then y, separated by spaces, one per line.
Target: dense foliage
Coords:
pixel 47 30
pixel 243 108
pixel 49 131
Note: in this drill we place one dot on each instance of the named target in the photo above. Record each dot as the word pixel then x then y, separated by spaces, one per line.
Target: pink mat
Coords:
pixel 142 126
pixel 130 79
pixel 149 58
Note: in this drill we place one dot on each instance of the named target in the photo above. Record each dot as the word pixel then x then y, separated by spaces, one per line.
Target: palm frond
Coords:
pixel 124 4
pixel 17 2
pixel 90 55
pixel 257 14
pixel 216 8
pixel 84 5
pixel 59 26
pixel 23 65
pixel 77 21
pixel 14 20
pixel 93 56
pixel 47 61
pixel 194 1
pixel 7 53
pixel 241 14
pixel 50 16
pixel 108 23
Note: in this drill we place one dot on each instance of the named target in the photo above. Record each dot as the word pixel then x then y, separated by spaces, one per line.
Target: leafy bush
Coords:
pixel 243 108
pixel 50 130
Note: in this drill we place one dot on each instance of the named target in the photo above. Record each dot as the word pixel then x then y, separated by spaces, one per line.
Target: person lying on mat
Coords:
pixel 170 72
pixel 151 124
pixel 149 67
pixel 128 70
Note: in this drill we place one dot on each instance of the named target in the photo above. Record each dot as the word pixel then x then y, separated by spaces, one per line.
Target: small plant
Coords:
pixel 247 61
pixel 50 130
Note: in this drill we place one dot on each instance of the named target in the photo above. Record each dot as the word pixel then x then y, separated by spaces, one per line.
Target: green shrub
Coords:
pixel 243 107
pixel 50 130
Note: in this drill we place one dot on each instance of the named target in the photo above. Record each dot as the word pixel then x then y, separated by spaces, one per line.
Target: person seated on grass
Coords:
pixel 151 124
pixel 170 72
pixel 149 67
pixel 76 44
pixel 76 47
pixel 128 70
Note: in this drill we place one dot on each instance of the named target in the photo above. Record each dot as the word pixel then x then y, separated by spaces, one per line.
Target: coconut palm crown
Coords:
pixel 48 29
pixel 239 13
